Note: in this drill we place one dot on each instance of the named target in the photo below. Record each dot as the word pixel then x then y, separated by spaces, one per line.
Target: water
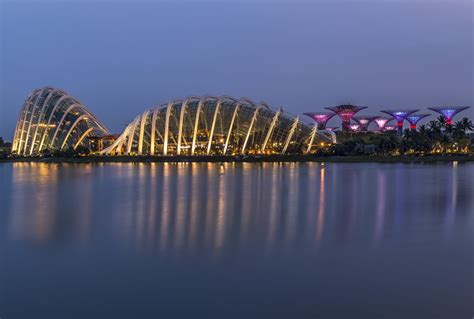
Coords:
pixel 236 240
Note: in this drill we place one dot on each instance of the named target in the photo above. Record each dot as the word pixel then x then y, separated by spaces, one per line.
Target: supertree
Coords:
pixel 399 116
pixel 390 127
pixel 381 122
pixel 413 119
pixel 364 121
pixel 321 118
pixel 345 113
pixel 448 112
pixel 354 127
pixel 331 128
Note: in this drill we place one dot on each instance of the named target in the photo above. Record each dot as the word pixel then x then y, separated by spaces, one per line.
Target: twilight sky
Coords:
pixel 121 57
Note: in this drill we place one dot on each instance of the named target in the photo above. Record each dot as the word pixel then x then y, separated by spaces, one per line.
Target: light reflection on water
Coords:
pixel 351 221
pixel 188 208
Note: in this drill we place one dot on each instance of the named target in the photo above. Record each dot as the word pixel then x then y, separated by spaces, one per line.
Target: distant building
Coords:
pixel 5 148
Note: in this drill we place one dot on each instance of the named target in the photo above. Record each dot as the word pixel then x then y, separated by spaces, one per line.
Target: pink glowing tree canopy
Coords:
pixel 448 112
pixel 354 127
pixel 346 112
pixel 321 118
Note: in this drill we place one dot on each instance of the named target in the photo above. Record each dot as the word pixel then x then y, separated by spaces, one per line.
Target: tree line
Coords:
pixel 436 137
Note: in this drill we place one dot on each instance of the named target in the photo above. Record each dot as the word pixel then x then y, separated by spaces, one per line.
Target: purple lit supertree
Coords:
pixel 364 121
pixel 448 112
pixel 321 118
pixel 413 119
pixel 390 127
pixel 399 116
pixel 345 113
pixel 331 128
pixel 381 122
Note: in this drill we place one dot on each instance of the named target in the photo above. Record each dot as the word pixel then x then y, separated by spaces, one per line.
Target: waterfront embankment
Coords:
pixel 239 159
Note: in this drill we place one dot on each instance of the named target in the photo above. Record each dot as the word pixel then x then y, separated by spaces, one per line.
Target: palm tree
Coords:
pixel 467 123
pixel 442 121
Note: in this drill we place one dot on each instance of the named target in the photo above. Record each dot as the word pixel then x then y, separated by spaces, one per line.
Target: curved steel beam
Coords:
pixel 142 129
pixel 252 122
pixel 79 141
pixel 311 139
pixel 270 129
pixel 69 109
pixel 32 114
pixel 80 118
pixel 131 135
pixel 53 111
pixel 290 134
pixel 41 116
pixel 167 124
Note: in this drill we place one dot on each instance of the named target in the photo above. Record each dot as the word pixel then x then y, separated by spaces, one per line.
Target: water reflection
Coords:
pixel 192 209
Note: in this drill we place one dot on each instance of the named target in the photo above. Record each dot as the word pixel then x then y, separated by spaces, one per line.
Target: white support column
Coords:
pixel 53 111
pixel 41 118
pixel 290 134
pixel 80 118
pixel 142 129
pixel 32 115
pixel 252 122
pixel 229 132
pixel 311 140
pixel 196 124
pixel 118 143
pixel 152 133
pixel 25 116
pixel 213 126
pixel 82 137
pixel 21 115
pixel 181 120
pixel 131 135
pixel 167 124
pixel 270 129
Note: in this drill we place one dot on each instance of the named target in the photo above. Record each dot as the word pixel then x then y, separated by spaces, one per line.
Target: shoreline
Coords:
pixel 246 159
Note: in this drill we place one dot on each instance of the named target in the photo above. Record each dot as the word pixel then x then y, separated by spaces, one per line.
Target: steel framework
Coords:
pixel 52 119
pixel 212 125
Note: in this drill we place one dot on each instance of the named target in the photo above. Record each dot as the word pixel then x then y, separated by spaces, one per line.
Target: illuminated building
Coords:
pixel 364 121
pixel 399 116
pixel 321 118
pixel 212 125
pixel 413 119
pixel 448 112
pixel 345 113
pixel 51 119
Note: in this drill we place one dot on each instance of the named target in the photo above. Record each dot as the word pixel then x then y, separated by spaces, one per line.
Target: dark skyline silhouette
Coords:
pixel 121 57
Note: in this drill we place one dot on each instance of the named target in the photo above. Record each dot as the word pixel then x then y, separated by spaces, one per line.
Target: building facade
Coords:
pixel 52 120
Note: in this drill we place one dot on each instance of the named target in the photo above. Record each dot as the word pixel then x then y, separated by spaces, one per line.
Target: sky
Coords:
pixel 122 57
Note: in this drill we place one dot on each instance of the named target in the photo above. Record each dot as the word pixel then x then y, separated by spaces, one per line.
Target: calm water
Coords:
pixel 236 241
